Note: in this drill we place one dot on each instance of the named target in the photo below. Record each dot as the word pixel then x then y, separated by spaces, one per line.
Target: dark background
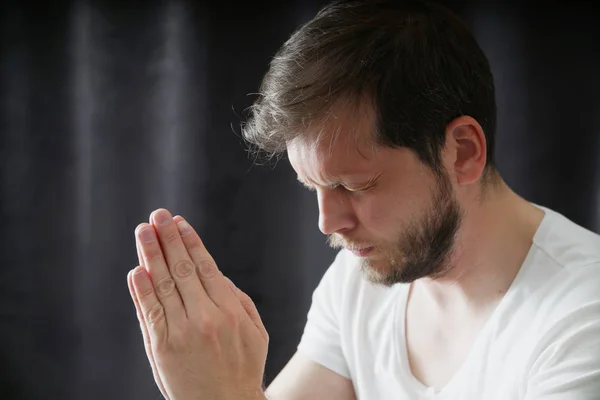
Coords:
pixel 112 109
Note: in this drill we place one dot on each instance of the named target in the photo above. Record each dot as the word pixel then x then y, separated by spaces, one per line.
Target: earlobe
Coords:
pixel 469 145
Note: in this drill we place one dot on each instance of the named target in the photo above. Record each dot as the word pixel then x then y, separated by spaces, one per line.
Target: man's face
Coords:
pixel 384 204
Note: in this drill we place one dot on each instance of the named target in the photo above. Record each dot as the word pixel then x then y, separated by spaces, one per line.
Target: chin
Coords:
pixel 377 272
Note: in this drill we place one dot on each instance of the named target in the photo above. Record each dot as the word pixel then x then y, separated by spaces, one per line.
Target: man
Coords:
pixel 448 285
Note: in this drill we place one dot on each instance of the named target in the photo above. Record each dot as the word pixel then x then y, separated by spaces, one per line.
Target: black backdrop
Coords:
pixel 112 109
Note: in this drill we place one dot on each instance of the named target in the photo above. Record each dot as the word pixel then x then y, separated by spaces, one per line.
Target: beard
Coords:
pixel 424 246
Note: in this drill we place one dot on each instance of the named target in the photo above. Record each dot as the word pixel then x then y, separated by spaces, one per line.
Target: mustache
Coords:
pixel 336 241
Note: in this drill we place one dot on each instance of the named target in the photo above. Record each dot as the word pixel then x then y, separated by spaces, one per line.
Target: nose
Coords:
pixel 335 212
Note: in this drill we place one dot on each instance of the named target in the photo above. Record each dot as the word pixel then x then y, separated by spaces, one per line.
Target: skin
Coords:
pixel 454 289
pixel 376 196
pixel 379 198
pixel 204 337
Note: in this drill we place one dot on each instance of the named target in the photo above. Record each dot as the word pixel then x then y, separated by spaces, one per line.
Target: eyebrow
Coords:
pixel 310 186
pixel 334 185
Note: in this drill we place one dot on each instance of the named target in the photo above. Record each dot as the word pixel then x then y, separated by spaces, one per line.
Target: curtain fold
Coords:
pixel 112 109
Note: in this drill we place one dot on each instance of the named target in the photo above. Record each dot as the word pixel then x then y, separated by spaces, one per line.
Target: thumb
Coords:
pixel 249 307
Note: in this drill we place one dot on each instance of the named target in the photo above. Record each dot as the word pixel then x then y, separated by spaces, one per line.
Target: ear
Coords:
pixel 466 147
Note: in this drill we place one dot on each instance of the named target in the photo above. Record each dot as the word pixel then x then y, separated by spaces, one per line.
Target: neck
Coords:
pixel 492 243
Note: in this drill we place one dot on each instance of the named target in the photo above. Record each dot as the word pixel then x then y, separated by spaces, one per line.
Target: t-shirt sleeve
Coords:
pixel 569 366
pixel 321 339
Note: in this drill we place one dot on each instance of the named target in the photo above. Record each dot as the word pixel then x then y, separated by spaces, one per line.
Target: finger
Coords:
pixel 180 265
pixel 161 279
pixel 233 288
pixel 212 279
pixel 250 308
pixel 140 257
pixel 144 329
pixel 152 310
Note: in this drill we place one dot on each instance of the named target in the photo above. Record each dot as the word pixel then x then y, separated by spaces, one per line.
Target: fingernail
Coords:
pixel 184 228
pixel 141 279
pixel 162 216
pixel 147 234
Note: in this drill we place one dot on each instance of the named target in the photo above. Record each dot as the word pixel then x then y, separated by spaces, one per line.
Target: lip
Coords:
pixel 363 252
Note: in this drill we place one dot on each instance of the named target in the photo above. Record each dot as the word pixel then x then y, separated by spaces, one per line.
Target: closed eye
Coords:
pixel 358 191
pixel 365 187
pixel 339 186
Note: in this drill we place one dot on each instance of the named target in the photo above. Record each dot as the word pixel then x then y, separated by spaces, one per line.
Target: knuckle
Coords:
pixel 155 316
pixel 171 236
pixel 154 254
pixel 207 327
pixel 208 268
pixel 184 269
pixel 146 293
pixel 193 243
pixel 243 295
pixel 165 286
pixel 244 298
pixel 231 319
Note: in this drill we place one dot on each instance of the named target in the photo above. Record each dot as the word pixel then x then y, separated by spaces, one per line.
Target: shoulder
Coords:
pixel 566 257
pixel 566 243
pixel 561 287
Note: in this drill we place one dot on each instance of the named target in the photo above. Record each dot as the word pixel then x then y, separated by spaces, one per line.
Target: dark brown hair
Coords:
pixel 415 61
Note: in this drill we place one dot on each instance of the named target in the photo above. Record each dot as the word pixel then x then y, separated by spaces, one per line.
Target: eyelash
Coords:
pixel 353 192
pixel 359 191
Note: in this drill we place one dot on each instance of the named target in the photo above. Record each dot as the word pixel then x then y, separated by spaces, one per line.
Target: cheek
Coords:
pixel 375 213
pixel 386 216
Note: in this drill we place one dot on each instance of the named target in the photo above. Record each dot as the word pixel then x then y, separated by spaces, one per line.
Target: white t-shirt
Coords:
pixel 542 342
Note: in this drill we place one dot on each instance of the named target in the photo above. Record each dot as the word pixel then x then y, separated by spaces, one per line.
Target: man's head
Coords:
pixel 382 108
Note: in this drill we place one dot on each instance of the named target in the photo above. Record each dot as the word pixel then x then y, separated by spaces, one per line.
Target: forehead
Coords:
pixel 342 144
